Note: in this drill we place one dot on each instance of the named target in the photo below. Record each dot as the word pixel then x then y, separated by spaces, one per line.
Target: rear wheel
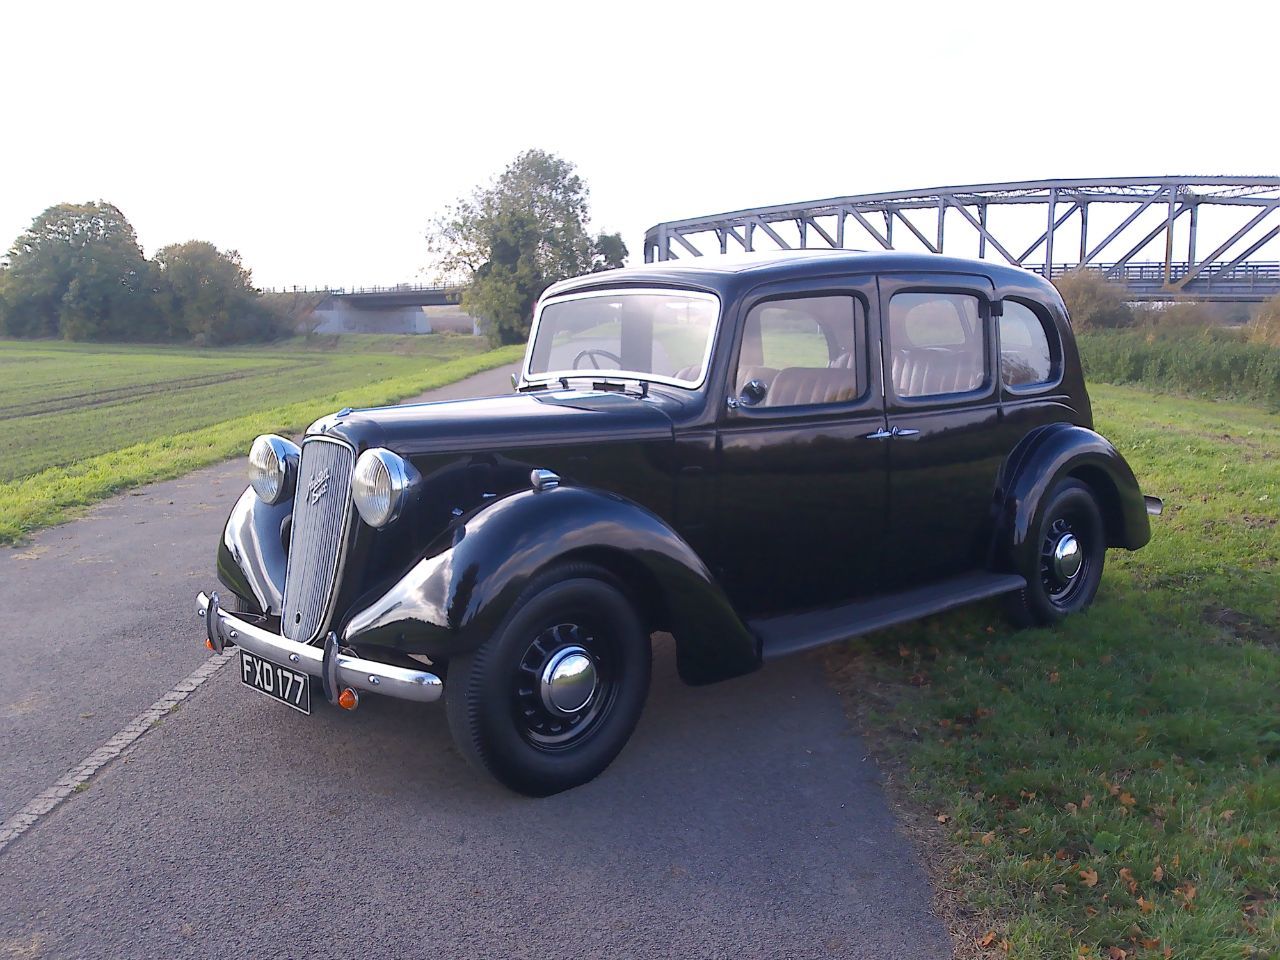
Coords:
pixel 1063 567
pixel 551 698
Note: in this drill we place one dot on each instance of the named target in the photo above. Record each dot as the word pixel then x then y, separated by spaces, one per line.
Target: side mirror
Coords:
pixel 753 392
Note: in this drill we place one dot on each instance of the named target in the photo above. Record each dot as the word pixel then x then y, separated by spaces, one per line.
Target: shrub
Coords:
pixel 1094 301
pixel 1264 328
pixel 1207 366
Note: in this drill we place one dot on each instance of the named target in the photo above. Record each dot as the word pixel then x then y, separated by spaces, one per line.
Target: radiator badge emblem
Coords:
pixel 318 487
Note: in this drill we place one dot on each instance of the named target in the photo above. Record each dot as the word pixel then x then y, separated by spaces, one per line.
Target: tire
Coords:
pixel 1052 593
pixel 513 703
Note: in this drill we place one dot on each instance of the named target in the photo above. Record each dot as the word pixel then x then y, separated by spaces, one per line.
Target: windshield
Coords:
pixel 660 335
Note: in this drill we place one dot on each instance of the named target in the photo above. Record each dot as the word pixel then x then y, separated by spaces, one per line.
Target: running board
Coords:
pixel 794 632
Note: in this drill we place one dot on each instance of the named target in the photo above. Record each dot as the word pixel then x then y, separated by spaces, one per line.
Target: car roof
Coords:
pixel 715 270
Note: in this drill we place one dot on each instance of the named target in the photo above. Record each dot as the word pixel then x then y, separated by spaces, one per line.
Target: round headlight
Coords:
pixel 272 465
pixel 381 485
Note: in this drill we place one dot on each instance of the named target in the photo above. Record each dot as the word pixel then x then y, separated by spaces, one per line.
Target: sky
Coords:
pixel 319 140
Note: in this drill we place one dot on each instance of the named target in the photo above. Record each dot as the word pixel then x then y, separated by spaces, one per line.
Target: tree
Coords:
pixel 1093 300
pixel 78 273
pixel 515 237
pixel 208 296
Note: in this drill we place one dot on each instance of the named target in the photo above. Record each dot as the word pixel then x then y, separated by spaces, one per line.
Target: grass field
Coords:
pixel 84 420
pixel 1110 788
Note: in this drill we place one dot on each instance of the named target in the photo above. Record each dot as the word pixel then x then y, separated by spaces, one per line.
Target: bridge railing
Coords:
pixel 353 291
pixel 1257 273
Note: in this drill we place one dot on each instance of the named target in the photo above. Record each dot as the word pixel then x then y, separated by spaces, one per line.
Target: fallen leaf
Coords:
pixel 1127 799
pixel 1072 808
pixel 1145 905
pixel 988 938
pixel 1090 911
pixel 988 838
pixel 1024 830
pixel 1226 815
pixel 1027 794
pixel 1149 943
pixel 1158 873
pixel 1127 876
pixel 903 652
pixel 1087 802
pixel 1005 945
pixel 1115 953
pixel 1054 677
pixel 1089 878
pixel 1060 855
pixel 943 818
pixel 1060 889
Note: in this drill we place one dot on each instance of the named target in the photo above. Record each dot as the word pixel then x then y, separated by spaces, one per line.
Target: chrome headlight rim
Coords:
pixel 273 467
pixel 380 466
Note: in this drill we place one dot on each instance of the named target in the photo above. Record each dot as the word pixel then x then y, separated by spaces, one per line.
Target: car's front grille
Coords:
pixel 321 513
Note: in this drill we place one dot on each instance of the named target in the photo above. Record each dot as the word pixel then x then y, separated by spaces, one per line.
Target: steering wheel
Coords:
pixel 592 354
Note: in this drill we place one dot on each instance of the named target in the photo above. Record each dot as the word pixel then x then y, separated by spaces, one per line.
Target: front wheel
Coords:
pixel 551 698
pixel 1063 567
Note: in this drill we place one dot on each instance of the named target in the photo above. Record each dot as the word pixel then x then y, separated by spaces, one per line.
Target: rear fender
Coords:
pixel 1050 455
pixel 456 596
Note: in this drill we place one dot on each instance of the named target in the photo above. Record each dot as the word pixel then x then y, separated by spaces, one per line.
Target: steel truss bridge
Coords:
pixel 1133 217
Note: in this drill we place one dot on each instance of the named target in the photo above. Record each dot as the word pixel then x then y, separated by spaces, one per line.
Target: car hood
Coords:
pixel 494 423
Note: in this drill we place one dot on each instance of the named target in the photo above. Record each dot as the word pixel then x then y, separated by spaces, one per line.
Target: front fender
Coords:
pixel 251 555
pixel 456 596
pixel 1049 455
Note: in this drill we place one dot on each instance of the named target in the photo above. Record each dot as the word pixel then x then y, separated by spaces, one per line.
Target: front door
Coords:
pixel 802 457
pixel 944 413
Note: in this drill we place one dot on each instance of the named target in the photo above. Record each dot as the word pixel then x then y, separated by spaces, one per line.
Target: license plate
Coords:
pixel 279 683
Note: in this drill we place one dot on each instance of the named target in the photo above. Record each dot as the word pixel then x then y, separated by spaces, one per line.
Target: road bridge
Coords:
pixel 1227 226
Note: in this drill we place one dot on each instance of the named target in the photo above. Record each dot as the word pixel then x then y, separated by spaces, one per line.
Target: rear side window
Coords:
pixel 1026 358
pixel 938 344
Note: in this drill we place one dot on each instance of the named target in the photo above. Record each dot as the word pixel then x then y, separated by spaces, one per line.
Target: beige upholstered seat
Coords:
pixel 800 386
pixel 927 371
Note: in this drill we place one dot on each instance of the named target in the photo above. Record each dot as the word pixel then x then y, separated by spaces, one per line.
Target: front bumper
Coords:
pixel 335 669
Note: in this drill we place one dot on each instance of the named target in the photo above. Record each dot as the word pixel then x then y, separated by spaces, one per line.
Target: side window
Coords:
pixel 1025 356
pixel 938 344
pixel 802 351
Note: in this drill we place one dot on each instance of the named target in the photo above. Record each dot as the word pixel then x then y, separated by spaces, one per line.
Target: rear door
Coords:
pixel 943 409
pixel 802 460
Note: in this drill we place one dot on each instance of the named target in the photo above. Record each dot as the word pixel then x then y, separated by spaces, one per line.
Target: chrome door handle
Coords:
pixel 881 434
pixel 908 432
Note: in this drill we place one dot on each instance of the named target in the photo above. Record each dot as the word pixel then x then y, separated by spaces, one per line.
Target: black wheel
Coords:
pixel 1063 565
pixel 551 698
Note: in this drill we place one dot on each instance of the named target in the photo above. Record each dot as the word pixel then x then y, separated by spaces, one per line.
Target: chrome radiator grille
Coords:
pixel 321 511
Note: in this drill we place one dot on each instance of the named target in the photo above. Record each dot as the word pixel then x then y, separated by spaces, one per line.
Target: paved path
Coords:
pixel 741 821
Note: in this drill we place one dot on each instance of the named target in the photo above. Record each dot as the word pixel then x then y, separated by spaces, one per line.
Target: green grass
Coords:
pixel 84 420
pixel 1133 752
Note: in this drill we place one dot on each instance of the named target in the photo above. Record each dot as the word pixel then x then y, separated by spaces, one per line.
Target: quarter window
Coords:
pixel 802 351
pixel 1025 356
pixel 938 344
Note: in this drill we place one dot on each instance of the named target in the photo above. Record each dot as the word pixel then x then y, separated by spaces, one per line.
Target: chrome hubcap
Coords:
pixel 1067 558
pixel 568 681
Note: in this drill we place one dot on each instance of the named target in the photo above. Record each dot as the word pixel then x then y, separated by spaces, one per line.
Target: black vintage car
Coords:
pixel 758 456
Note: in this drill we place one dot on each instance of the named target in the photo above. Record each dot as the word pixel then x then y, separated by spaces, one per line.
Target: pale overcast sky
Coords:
pixel 319 139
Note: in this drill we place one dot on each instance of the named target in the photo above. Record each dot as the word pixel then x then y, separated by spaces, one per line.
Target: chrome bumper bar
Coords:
pixel 335 670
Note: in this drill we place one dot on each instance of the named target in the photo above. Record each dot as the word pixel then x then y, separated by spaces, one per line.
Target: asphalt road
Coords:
pixel 741 821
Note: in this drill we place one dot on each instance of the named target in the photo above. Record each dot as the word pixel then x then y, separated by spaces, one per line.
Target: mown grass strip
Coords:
pixel 55 494
pixel 1111 787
